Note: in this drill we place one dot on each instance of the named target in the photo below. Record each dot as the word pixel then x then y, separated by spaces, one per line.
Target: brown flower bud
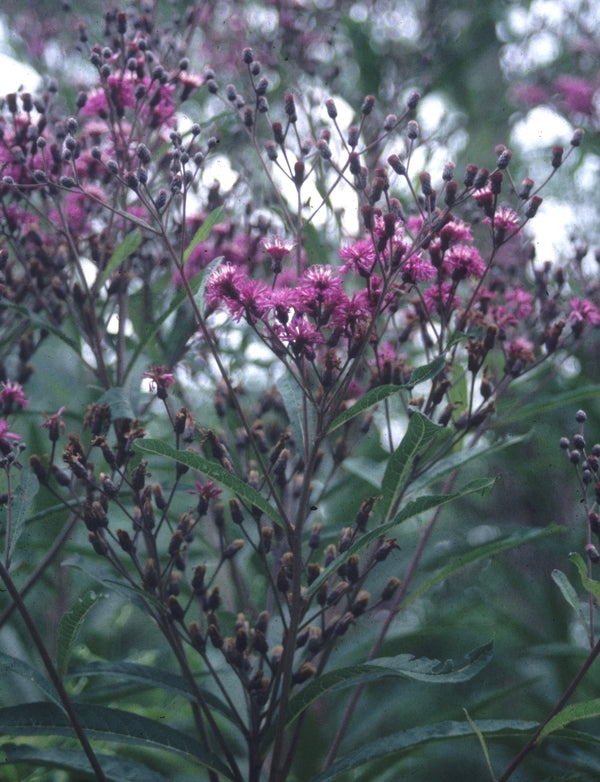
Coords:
pixel 305 672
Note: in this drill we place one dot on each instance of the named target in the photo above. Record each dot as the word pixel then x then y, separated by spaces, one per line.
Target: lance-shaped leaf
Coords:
pixel 399 744
pixel 148 676
pixel 411 509
pixel 70 625
pixel 127 247
pixel 299 410
pixel 104 724
pixel 420 432
pixel 202 234
pixel 576 711
pixel 114 768
pixel 404 666
pixel 13 665
pixel 567 590
pixel 588 583
pixel 22 501
pixel 214 471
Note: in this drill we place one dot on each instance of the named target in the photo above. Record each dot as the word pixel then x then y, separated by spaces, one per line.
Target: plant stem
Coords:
pixel 52 673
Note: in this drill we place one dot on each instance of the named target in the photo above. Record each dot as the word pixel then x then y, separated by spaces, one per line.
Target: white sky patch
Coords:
pixel 17 75
pixel 541 127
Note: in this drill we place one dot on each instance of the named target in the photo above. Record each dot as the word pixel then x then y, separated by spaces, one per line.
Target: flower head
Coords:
pixel 160 380
pixel 54 424
pixel 6 436
pixel 12 397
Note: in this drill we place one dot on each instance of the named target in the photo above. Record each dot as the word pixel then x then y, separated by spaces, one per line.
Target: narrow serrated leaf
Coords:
pixel 119 402
pixel 214 471
pixel 403 666
pixel 126 248
pixel 577 711
pixel 588 583
pixel 215 217
pixel 301 420
pixel 70 625
pixel 419 433
pixel 154 677
pixel 21 668
pixel 22 501
pixel 478 553
pixel 103 724
pixel 567 590
pixel 411 509
pixel 409 740
pixel 115 769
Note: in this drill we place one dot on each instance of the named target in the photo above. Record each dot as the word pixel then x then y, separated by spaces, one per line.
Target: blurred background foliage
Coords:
pixel 467 59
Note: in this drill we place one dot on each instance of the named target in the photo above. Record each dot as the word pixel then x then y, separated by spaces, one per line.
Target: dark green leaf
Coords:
pixel 567 590
pixel 419 433
pixel 21 668
pixel 403 666
pixel 409 740
pixel 293 401
pixel 115 769
pixel 24 495
pixel 127 247
pixel 104 724
pixel 119 402
pixel 590 584
pixel 481 552
pixel 151 676
pixel 202 234
pixel 70 624
pixel 576 711
pixel 214 471
pixel 369 399
pixel 411 509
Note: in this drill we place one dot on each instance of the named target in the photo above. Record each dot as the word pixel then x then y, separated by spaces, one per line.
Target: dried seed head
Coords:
pixel 389 589
pixel 305 672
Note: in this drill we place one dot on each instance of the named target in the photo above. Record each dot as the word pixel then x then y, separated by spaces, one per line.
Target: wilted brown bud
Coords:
pixel 38 468
pixel 196 637
pixel 386 547
pixel 352 571
pixel 305 672
pixel 175 609
pixel 346 537
pixel 276 653
pixel 99 544
pixel 359 606
pixel 362 517
pixel 389 589
pixel 215 636
pixel 232 549
pixel 198 584
pixel 337 592
pixel 125 541
pixel 344 623
pixel 236 511
pixel 313 571
pixel 150 579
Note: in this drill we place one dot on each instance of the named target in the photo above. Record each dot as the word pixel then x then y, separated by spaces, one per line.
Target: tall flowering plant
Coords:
pixel 263 394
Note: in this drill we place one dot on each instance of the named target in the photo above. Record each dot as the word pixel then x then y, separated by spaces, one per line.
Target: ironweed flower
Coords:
pixel 160 380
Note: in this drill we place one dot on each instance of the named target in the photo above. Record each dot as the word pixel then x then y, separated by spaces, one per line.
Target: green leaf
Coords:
pixel 408 740
pixel 369 399
pixel 412 508
pixel 22 501
pixel 21 668
pixel 293 401
pixel 482 744
pixel 104 724
pixel 570 595
pixel 404 666
pixel 70 625
pixel 314 246
pixel 151 676
pixel 115 769
pixel 214 471
pixel 576 711
pixel 119 402
pixel 378 394
pixel 202 234
pixel 106 576
pixel 419 433
pixel 588 583
pixel 127 247
pixel 543 406
pixel 481 552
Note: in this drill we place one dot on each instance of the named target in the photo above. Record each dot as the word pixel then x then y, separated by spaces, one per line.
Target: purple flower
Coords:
pixel 583 312
pixel 54 424
pixel 360 257
pixel 417 269
pixel 12 397
pixel 577 94
pixel 160 380
pixel 277 248
pixel 6 436
pixel 463 261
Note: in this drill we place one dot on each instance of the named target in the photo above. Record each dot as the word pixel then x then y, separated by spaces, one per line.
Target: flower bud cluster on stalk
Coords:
pixel 113 235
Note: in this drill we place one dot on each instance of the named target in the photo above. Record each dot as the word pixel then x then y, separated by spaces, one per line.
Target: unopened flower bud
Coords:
pixel 232 549
pixel 413 100
pixel 367 105
pixel 533 206
pixel 305 672
pixel 557 156
pixel 577 137
pixel 412 130
pixel 389 589
pixel 592 553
